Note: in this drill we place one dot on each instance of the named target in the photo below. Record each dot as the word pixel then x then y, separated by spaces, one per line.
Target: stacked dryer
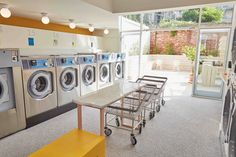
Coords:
pixel 118 67
pixel 88 76
pixel 68 86
pixel 104 72
pixel 12 111
pixel 39 82
pixel 232 124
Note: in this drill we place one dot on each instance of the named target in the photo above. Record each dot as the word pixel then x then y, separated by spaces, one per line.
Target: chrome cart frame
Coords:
pixel 158 84
pixel 130 108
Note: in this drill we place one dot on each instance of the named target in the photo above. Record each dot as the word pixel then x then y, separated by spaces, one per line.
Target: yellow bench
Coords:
pixel 76 143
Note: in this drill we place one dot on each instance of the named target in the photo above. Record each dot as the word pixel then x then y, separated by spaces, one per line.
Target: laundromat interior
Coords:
pixel 117 78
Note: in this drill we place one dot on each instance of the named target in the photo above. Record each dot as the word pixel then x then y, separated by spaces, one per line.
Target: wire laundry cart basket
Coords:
pixel 161 85
pixel 129 109
pixel 158 85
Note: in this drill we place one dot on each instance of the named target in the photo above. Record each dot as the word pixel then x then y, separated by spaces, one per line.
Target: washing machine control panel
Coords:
pixel 87 59
pixel 120 56
pixel 37 63
pixel 104 57
pixel 65 61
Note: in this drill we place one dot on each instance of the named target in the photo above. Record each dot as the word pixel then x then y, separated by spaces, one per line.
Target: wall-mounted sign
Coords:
pixel 31 41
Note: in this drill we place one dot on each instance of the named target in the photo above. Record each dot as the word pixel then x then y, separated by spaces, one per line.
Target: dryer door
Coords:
pixel 226 109
pixel 40 84
pixel 118 70
pixel 4 94
pixel 68 79
pixel 88 75
pixel 104 72
pixel 232 140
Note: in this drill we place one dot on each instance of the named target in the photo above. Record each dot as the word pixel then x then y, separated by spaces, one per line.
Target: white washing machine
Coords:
pixel 104 72
pixel 39 79
pixel 88 70
pixel 12 111
pixel 118 67
pixel 67 72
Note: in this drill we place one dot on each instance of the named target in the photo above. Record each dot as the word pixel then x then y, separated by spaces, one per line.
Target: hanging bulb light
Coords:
pixel 72 25
pixel 45 19
pixel 106 31
pixel 5 12
pixel 91 28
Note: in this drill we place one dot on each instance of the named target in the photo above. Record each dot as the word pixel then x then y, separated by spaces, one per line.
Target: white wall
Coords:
pixel 111 41
pixel 56 42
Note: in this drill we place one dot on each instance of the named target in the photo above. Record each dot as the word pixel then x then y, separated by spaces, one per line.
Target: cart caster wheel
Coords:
pixel 133 140
pixel 144 123
pixel 117 122
pixel 150 115
pixel 158 108
pixel 140 128
pixel 107 131
pixel 163 102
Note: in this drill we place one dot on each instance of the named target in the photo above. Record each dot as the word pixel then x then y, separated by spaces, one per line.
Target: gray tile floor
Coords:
pixel 185 127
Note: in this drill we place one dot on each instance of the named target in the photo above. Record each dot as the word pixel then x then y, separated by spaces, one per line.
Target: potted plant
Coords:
pixel 190 52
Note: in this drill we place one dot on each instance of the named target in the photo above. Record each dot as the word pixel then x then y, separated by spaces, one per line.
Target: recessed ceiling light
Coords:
pixel 91 28
pixel 72 25
pixel 45 19
pixel 106 31
pixel 5 12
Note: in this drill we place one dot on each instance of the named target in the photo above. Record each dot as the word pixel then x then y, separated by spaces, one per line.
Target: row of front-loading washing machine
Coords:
pixel 36 88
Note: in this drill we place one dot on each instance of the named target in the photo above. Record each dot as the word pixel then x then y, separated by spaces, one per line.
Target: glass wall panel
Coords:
pixel 171 19
pixel 221 14
pixel 131 22
pixel 131 45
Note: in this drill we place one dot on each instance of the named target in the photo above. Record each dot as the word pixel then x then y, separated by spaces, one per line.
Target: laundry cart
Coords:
pixel 154 104
pixel 127 114
pixel 161 84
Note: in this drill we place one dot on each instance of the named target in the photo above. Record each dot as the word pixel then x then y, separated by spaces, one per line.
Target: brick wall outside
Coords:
pixel 159 41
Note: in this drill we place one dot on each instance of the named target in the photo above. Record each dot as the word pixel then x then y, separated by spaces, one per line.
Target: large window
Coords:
pixel 167 40
pixel 171 19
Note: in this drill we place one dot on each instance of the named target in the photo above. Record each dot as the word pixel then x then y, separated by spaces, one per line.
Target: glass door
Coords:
pixel 210 62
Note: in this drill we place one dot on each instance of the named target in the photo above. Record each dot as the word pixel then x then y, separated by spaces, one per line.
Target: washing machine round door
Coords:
pixel 118 70
pixel 104 72
pixel 40 84
pixel 88 75
pixel 4 97
pixel 68 79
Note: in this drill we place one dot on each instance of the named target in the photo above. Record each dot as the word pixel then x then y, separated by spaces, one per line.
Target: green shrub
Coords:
pixel 190 52
pixel 169 49
pixel 173 33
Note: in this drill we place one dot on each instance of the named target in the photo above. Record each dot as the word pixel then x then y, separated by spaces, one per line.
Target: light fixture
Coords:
pixel 5 12
pixel 45 19
pixel 106 31
pixel 72 25
pixel 91 28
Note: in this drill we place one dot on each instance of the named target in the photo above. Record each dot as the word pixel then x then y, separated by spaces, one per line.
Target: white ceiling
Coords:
pixel 61 10
pixel 122 6
pixel 100 13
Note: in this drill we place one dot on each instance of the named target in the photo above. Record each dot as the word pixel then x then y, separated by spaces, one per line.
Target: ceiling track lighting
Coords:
pixel 91 28
pixel 45 19
pixel 106 31
pixel 5 12
pixel 72 25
